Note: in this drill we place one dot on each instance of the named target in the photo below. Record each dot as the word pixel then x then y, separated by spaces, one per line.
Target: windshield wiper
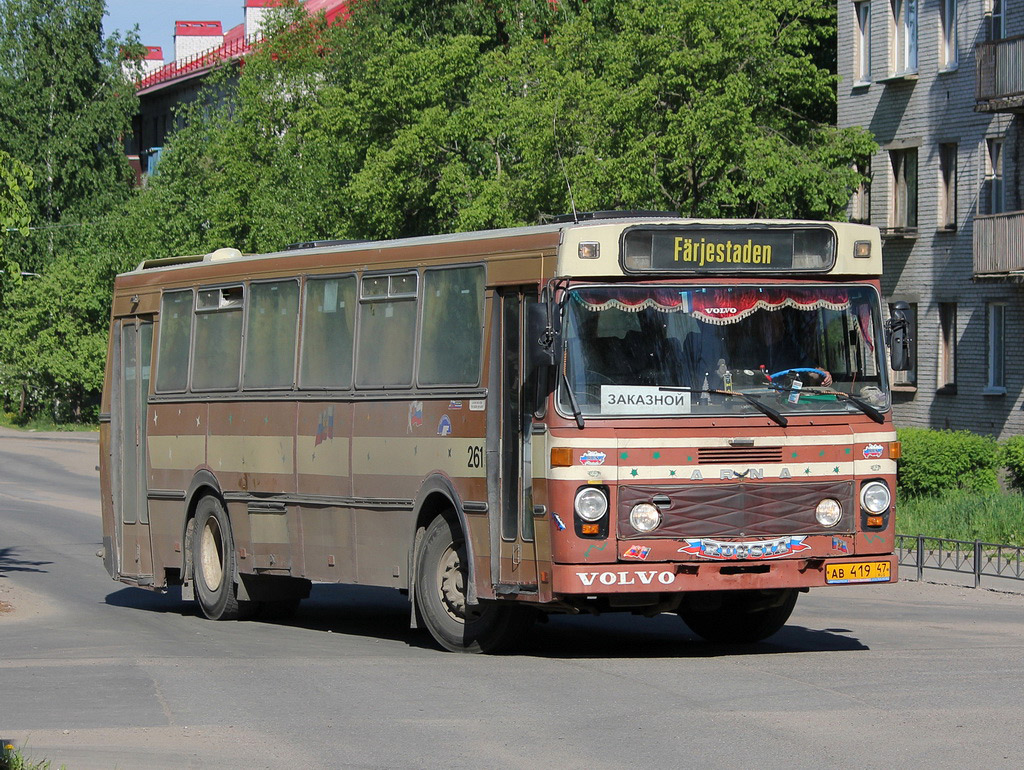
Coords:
pixel 576 413
pixel 864 406
pixel 755 402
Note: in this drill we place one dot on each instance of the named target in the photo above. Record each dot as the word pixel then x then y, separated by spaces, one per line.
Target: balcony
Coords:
pixel 999 245
pixel 999 78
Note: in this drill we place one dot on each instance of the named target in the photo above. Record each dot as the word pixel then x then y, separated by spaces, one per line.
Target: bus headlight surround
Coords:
pixel 644 517
pixel 829 512
pixel 591 504
pixel 875 497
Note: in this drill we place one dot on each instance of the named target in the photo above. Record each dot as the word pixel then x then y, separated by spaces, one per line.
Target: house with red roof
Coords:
pixel 199 46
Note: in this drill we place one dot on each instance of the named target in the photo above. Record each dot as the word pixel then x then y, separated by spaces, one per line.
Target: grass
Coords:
pixel 12 759
pixel 41 425
pixel 992 517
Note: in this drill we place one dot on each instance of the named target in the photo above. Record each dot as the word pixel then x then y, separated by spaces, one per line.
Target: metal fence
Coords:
pixel 962 556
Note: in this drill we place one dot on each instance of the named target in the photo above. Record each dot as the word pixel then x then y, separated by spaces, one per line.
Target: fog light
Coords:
pixel 591 504
pixel 644 517
pixel 829 512
pixel 874 497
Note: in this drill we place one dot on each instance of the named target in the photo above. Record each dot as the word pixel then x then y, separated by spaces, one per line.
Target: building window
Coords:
pixel 950 58
pixel 947 347
pixel 860 204
pixel 862 53
pixel 903 211
pixel 947 186
pixel 908 377
pixel 904 38
pixel 996 347
pixel 997 21
pixel 994 176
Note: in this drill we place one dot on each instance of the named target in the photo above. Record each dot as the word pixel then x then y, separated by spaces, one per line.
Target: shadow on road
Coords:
pixel 9 562
pixel 383 613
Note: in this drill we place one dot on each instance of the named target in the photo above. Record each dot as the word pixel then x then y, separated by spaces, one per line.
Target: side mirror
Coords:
pixel 897 332
pixel 541 350
pixel 541 337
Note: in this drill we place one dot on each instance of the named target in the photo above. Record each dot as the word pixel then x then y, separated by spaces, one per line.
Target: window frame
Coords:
pixel 900 208
pixel 390 296
pixel 246 336
pixel 188 353
pixel 862 49
pixel 995 153
pixel 905 25
pixel 945 368
pixel 303 315
pixel 197 312
pixel 995 347
pixel 949 42
pixel 421 299
pixel 860 202
pixel 948 164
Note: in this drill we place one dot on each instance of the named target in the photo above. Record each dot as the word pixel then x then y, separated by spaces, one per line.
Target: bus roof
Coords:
pixel 605 230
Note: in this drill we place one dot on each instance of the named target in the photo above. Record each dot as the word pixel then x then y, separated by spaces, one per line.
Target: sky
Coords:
pixel 156 18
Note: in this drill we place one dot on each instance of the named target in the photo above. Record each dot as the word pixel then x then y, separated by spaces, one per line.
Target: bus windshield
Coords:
pixel 677 350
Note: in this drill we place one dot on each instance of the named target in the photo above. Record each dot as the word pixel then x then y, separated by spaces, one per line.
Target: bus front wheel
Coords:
pixel 739 617
pixel 440 592
pixel 213 562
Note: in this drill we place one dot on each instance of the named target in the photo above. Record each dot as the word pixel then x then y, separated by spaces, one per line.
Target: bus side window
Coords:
pixel 271 329
pixel 387 331
pixel 175 340
pixel 217 353
pixel 451 336
pixel 328 333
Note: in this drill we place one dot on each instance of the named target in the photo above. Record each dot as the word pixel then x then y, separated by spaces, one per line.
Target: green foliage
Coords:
pixel 1013 461
pixel 938 461
pixel 65 103
pixel 15 184
pixel 961 514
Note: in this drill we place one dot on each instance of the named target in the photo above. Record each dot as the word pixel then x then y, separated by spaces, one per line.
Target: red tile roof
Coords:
pixel 235 44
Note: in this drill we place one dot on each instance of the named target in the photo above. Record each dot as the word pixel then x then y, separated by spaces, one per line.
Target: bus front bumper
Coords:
pixel 589 580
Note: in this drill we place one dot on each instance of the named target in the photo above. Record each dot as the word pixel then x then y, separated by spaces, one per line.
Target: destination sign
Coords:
pixel 729 250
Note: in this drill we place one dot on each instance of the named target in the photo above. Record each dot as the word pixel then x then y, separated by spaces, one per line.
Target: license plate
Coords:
pixel 857 572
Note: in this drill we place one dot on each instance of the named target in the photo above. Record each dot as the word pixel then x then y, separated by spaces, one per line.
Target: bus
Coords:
pixel 612 412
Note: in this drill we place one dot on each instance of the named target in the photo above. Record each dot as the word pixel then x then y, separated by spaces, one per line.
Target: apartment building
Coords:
pixel 940 85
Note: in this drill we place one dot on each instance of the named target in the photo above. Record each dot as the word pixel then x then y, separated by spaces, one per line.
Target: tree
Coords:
pixel 65 104
pixel 15 184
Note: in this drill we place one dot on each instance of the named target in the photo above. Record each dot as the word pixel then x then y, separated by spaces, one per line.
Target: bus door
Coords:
pixel 134 348
pixel 517 568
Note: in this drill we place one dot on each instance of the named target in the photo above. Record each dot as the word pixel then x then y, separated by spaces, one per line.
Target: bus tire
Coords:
pixel 440 592
pixel 213 562
pixel 742 617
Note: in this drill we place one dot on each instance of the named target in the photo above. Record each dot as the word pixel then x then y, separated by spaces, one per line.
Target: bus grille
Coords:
pixel 758 509
pixel 753 454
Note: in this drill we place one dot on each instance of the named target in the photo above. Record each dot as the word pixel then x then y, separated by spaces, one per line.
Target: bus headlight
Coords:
pixel 829 512
pixel 591 504
pixel 644 517
pixel 875 497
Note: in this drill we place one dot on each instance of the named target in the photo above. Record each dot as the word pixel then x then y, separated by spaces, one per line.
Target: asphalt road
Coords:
pixel 94 674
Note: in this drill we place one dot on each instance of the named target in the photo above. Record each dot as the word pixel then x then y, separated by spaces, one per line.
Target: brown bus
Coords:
pixel 618 413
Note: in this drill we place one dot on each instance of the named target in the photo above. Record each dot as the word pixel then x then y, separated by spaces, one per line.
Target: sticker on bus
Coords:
pixel 642 399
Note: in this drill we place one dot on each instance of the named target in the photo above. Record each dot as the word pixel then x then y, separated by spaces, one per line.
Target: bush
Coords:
pixel 939 461
pixel 1013 459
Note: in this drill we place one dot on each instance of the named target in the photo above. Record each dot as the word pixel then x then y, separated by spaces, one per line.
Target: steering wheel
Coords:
pixel 593 376
pixel 797 370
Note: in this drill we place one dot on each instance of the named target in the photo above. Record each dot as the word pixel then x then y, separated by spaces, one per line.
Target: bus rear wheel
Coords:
pixel 741 617
pixel 213 563
pixel 440 592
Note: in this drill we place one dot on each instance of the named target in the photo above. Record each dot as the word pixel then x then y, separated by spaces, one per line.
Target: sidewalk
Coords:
pixel 56 435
